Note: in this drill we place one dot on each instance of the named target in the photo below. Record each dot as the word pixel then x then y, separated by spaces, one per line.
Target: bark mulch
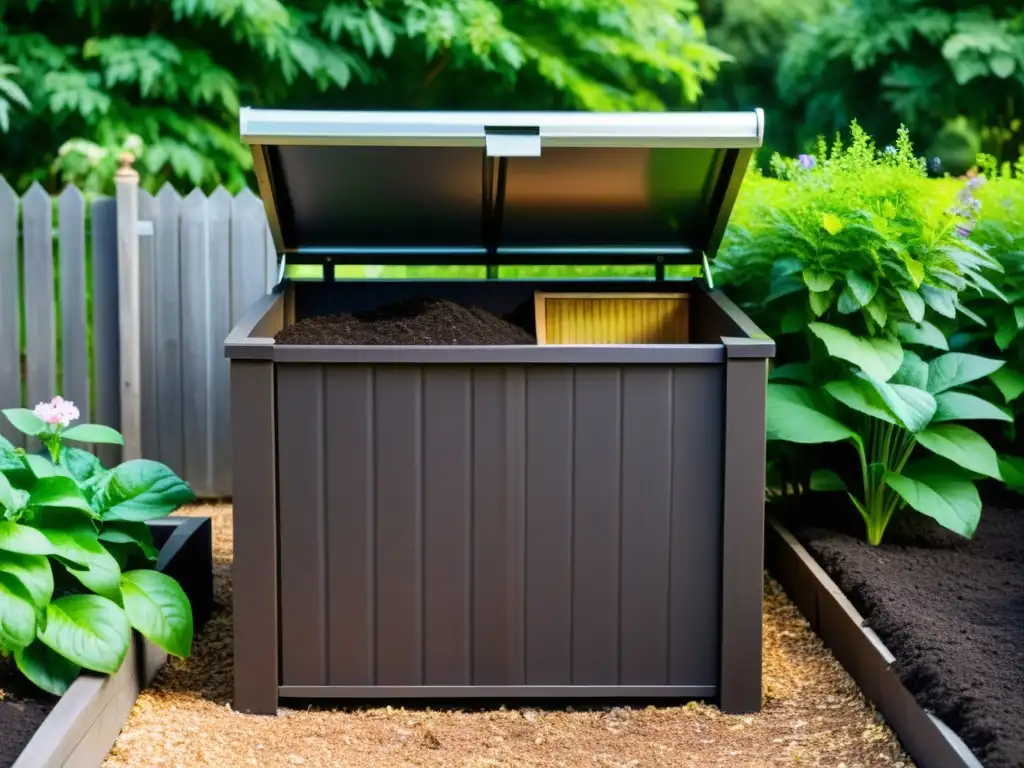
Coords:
pixel 813 715
pixel 424 321
pixel 950 610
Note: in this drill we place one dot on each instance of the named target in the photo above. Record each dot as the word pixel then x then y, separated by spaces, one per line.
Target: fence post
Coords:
pixel 126 182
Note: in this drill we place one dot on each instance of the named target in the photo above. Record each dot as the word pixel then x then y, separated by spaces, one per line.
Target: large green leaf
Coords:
pixel 40 466
pixel 923 334
pixel 818 282
pixel 1010 382
pixel 879 358
pixel 80 464
pixel 141 490
pixel 826 480
pixel 962 446
pixel 796 417
pixel 127 532
pixel 59 491
pixel 75 541
pixel 962 406
pixel 158 607
pixel 17 614
pixel 46 668
pixel 23 539
pixel 25 420
pixel 820 302
pixel 937 491
pixel 956 368
pixel 89 630
pixel 913 372
pixel 93 433
pixel 802 372
pixel 34 574
pixel 860 396
pixel 914 304
pixel 861 288
pixel 1012 470
pixel 913 407
pixel 7 498
pixel 942 300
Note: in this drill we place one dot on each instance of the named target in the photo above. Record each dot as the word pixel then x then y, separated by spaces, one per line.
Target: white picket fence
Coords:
pixel 205 260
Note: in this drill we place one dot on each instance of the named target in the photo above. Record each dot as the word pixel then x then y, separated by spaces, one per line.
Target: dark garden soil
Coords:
pixel 22 710
pixel 424 321
pixel 950 610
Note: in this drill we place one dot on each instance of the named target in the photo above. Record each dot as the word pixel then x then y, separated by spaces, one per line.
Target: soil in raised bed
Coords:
pixel 950 610
pixel 422 321
pixel 22 710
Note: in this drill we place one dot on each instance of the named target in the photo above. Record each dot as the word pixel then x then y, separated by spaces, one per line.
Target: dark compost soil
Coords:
pixel 424 321
pixel 950 610
pixel 22 710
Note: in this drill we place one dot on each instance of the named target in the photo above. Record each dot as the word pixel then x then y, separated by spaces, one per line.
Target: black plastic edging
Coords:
pixel 81 729
pixel 926 739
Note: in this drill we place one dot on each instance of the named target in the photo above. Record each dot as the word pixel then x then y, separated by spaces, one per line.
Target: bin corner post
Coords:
pixel 126 184
pixel 743 534
pixel 254 571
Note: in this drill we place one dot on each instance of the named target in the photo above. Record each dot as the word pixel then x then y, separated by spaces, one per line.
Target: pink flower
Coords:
pixel 57 411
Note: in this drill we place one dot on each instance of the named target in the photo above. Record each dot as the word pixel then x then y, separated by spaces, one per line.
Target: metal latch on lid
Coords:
pixel 512 142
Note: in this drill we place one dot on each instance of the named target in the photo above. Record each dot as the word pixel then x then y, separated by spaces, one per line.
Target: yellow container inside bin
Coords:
pixel 612 318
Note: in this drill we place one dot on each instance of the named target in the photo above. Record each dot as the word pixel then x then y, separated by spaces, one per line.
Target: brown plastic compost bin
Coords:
pixel 547 520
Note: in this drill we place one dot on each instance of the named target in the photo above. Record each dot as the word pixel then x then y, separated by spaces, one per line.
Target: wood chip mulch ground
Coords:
pixel 813 715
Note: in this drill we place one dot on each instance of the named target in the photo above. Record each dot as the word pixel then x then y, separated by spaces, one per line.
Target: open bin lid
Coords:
pixel 499 187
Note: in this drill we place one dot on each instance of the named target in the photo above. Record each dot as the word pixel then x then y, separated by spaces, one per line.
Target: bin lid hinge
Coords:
pixel 707 271
pixel 282 267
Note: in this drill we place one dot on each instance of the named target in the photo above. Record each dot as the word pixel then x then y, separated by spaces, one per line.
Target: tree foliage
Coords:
pixel 923 63
pixel 165 78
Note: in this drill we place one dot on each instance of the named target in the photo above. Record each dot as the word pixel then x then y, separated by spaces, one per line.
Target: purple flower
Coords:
pixel 806 162
pixel 963 231
pixel 936 165
pixel 890 150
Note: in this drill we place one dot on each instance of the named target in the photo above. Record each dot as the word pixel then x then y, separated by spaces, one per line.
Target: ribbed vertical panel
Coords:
pixel 597 495
pixel 398 460
pixel 549 524
pixel 503 526
pixel 448 460
pixel 302 470
pixel 351 525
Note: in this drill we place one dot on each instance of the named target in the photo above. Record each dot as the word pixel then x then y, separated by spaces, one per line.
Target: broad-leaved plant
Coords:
pixel 76 556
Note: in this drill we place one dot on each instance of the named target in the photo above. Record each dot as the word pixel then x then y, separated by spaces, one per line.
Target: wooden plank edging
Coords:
pixel 927 740
pixel 81 729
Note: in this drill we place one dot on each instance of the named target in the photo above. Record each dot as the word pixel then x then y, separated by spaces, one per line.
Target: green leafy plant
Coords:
pixel 854 237
pixel 76 555
pixel 886 403
pixel 1000 229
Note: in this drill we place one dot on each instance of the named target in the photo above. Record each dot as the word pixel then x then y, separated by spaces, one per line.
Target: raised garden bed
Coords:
pixel 930 625
pixel 78 729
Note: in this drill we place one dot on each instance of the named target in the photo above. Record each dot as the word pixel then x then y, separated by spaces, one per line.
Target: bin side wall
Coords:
pixel 500 526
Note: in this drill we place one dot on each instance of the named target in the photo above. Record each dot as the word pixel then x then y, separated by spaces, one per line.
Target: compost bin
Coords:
pixel 493 487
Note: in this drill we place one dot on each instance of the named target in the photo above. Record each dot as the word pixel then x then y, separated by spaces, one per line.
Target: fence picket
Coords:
pixel 207 260
pixel 40 336
pixel 106 338
pixel 74 346
pixel 167 329
pixel 10 311
pixel 148 211
pixel 218 287
pixel 195 321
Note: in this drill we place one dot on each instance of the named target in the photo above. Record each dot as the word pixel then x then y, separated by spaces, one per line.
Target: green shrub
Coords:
pixel 860 267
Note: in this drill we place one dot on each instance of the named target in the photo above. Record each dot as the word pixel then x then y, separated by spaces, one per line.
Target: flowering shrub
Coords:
pixel 76 555
pixel 859 270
